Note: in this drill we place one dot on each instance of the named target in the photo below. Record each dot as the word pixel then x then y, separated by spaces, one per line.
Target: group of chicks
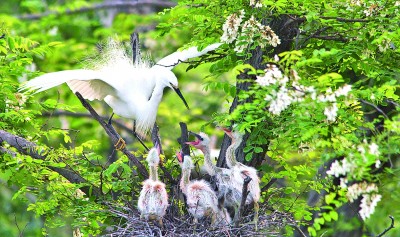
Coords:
pixel 202 201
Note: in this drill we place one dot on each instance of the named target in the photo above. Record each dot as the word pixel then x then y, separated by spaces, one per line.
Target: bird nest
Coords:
pixel 181 224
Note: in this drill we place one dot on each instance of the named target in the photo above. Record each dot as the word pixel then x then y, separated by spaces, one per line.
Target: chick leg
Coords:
pixel 256 209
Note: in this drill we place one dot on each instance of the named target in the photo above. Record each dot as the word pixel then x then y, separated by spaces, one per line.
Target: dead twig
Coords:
pixel 387 229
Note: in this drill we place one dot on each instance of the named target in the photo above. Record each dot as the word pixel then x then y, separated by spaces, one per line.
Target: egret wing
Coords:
pixel 174 59
pixel 90 84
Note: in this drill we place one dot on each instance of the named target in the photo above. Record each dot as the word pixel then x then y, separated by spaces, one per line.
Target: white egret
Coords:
pixel 200 198
pixel 241 170
pixel 132 90
pixel 224 177
pixel 153 199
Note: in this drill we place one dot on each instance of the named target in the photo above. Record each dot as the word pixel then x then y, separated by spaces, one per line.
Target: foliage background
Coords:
pixel 363 53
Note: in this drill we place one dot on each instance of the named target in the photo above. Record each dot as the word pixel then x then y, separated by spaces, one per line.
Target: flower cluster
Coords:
pixel 348 169
pixel 296 92
pixel 368 204
pixel 231 27
pixel 256 4
pixel 250 29
pixel 369 195
pixel 341 168
pixel 16 104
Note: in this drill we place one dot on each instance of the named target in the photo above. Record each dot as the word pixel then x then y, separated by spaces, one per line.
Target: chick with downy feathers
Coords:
pixel 200 198
pixel 153 199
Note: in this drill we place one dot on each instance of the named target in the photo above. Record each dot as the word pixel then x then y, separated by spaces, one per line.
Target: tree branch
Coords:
pixel 341 19
pixel 184 138
pixel 115 137
pixel 26 147
pixel 119 124
pixel 387 229
pixel 99 6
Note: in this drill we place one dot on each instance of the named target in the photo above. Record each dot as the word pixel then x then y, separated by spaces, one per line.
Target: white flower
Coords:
pixel 343 91
pixel 336 169
pixel 231 27
pixel 255 3
pixel 377 163
pixel 281 102
pixel 368 204
pixel 276 58
pixel 331 112
pixel 373 149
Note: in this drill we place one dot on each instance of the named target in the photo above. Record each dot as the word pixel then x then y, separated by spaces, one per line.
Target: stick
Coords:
pixel 184 138
pixel 244 197
pixel 114 136
pixel 387 229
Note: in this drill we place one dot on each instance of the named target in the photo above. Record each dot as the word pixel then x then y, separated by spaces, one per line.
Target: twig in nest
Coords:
pixel 387 229
pixel 244 197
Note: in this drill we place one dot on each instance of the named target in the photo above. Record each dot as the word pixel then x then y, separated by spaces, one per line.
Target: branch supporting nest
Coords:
pixel 115 137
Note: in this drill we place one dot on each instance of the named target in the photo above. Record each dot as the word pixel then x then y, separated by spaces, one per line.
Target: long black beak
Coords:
pixel 176 89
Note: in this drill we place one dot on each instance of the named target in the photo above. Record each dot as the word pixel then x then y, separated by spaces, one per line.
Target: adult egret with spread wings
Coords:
pixel 133 90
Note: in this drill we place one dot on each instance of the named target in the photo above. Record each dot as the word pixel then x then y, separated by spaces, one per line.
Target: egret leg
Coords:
pixel 137 137
pixel 120 144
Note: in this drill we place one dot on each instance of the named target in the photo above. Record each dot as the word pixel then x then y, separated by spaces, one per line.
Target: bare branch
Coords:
pixel 115 137
pixel 99 6
pixel 387 229
pixel 341 19
pixel 119 124
pixel 26 147
pixel 375 107
pixel 184 138
pixel 269 184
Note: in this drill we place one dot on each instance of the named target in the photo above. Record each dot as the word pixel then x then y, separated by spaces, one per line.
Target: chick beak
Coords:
pixel 176 89
pixel 179 156
pixel 197 141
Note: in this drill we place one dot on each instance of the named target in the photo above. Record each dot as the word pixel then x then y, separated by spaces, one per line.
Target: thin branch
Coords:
pixel 245 192
pixel 99 6
pixel 269 184
pixel 375 107
pixel 115 137
pixel 387 229
pixel 296 227
pixel 26 147
pixel 341 19
pixel 119 124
